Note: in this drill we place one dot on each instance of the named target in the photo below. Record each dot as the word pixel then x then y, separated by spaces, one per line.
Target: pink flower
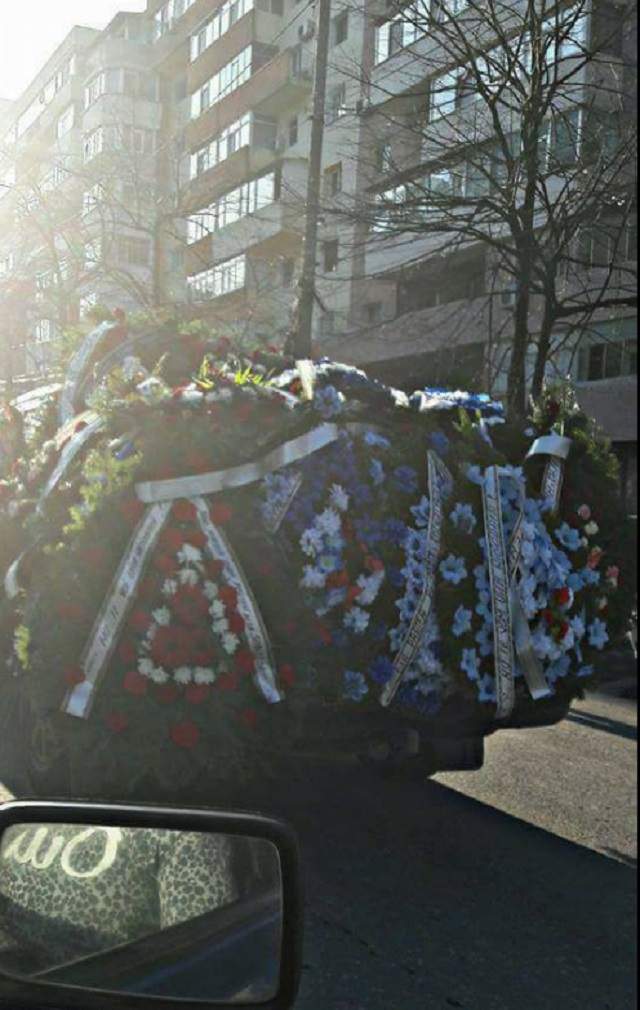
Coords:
pixel 613 575
pixel 584 512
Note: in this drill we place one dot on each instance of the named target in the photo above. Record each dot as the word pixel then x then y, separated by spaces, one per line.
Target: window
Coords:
pixel 384 157
pixel 564 139
pixel 287 272
pixel 94 144
pixel 443 96
pixel 293 131
pixel 134 251
pixel 333 180
pixel 222 279
pixel 226 143
pixel 44 331
pixel 232 206
pixel 610 350
pixel 217 26
pixel 66 122
pixel 389 209
pixel 330 255
pixel 92 253
pixel 340 28
pixel 336 103
pixel 137 140
pixel 327 323
pixel 165 18
pixel 373 312
pixel 92 198
pixel 95 89
pixel 399 32
pixel 607 28
pixel 232 75
pixel 87 302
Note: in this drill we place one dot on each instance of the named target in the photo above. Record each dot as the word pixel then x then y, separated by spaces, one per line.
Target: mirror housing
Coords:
pixel 20 992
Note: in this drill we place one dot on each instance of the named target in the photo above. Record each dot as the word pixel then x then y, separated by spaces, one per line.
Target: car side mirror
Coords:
pixel 114 906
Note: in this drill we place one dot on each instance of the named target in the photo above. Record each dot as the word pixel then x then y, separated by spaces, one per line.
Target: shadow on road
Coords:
pixel 419 897
pixel 602 722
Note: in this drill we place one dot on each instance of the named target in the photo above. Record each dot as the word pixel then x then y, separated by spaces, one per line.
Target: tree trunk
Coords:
pixel 542 352
pixel 516 383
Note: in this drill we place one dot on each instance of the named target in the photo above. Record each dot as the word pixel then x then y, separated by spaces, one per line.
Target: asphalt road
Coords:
pixel 512 888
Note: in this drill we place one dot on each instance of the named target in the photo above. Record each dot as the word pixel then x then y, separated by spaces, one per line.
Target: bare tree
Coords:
pixel 525 145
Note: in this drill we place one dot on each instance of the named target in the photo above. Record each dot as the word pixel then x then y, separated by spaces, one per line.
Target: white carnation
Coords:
pixel 210 590
pixel 146 667
pixel 339 497
pixel 189 554
pixel 188 577
pixel 162 616
pixel 230 643
pixel 159 676
pixel 183 675
pixel 221 626
pixel 203 675
pixel 217 609
pixel 170 587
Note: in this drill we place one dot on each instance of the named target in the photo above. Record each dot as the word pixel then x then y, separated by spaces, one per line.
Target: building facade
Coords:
pixel 163 162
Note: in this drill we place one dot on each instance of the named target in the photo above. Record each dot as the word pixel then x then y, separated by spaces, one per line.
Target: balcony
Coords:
pixel 245 163
pixel 282 81
pixel 257 27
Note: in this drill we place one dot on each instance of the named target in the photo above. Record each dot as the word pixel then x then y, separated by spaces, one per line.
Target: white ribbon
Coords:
pixel 69 453
pixel 220 550
pixel 557 447
pixel 76 370
pixel 111 617
pixel 500 593
pixel 295 483
pixel 437 475
pixel 237 476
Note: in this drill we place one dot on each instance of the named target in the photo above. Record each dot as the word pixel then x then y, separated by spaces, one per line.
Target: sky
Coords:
pixel 30 30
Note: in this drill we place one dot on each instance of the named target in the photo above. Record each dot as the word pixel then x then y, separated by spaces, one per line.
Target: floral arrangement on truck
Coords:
pixel 212 561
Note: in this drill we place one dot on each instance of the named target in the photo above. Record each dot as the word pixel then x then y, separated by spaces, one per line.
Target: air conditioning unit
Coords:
pixel 306 31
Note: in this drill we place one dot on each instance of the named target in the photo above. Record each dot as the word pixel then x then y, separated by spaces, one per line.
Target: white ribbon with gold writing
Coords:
pixel 220 550
pixel 69 453
pixel 437 475
pixel 557 447
pixel 500 593
pixel 112 615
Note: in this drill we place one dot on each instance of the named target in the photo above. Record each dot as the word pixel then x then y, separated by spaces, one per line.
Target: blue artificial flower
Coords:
pixel 376 472
pixel 362 494
pixel 469 663
pixel 420 512
pixel 484 639
pixel 379 631
pixel 395 577
pixel 591 576
pixel 483 606
pixel 461 621
pixel 598 634
pixel 585 671
pixel 407 607
pixel 559 668
pixel 487 688
pixel 328 402
pixel 340 639
pixel 481 576
pixel 575 582
pixel 415 543
pixel 355 686
pixel 405 479
pixel 463 518
pixel 569 537
pixel 373 439
pixel 394 530
pixel 125 451
pixel 453 570
pixel 439 441
pixel 578 626
pixel 475 475
pixel 381 669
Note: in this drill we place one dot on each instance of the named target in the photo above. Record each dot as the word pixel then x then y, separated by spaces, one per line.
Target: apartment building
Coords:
pixel 163 161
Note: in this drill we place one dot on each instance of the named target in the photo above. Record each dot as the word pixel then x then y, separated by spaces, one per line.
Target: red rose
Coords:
pixel 190 605
pixel 245 662
pixel 323 633
pixel 249 718
pixel 564 629
pixel 227 682
pixel 184 511
pixel 243 411
pixel 353 592
pixel 215 569
pixel 338 579
pixel 198 462
pixel 172 539
pixel 562 596
pixel 134 683
pixel 127 653
pixel 70 612
pixel 265 569
pixel 140 620
pixel 185 734
pixel 95 556
pixel 287 675
pixel 221 513
pixel 197 693
pixel 164 563
pixel 132 510
pixel 548 616
pixel 197 539
pixel 74 676
pixel 167 694
pixel 236 623
pixel 228 596
pixel 117 722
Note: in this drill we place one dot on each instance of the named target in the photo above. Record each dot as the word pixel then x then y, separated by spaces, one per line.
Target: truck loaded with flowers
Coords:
pixel 214 566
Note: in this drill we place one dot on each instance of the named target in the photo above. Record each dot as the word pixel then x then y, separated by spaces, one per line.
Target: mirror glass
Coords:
pixel 142 910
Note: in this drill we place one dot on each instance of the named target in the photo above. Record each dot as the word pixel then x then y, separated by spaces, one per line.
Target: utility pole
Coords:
pixel 302 347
